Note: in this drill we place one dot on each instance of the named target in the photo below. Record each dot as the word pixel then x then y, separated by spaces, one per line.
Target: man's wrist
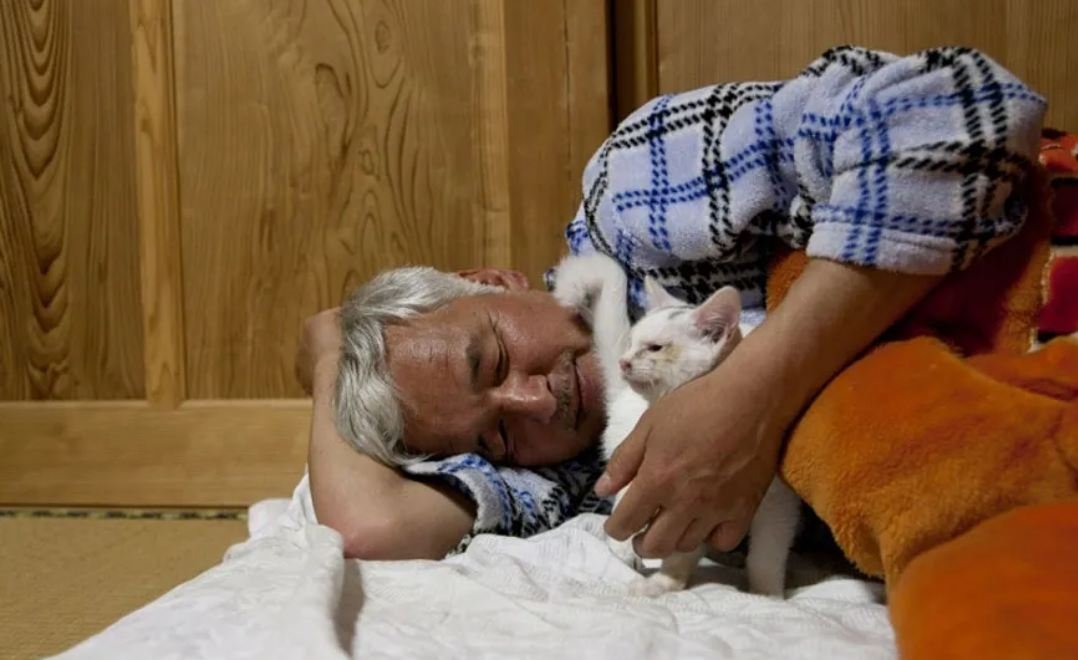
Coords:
pixel 832 313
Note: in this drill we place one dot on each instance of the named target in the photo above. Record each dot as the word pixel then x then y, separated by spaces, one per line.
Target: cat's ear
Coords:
pixel 657 295
pixel 718 317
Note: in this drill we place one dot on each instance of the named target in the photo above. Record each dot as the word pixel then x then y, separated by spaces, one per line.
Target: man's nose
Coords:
pixel 529 396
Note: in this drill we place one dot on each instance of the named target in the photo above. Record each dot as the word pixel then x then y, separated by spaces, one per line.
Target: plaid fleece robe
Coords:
pixel 908 164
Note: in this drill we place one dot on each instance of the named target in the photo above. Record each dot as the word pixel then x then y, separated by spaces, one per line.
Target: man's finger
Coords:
pixel 728 534
pixel 622 466
pixel 633 512
pixel 696 534
pixel 662 535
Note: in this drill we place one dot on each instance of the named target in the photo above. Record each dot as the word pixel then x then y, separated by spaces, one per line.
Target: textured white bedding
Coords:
pixel 287 593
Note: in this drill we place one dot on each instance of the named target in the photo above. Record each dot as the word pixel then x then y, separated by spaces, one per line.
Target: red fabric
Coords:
pixel 1060 313
pixel 1065 208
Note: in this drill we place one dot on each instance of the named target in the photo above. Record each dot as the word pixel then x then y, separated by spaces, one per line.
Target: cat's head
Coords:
pixel 676 342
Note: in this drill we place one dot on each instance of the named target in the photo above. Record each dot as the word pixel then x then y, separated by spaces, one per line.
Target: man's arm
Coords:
pixel 380 513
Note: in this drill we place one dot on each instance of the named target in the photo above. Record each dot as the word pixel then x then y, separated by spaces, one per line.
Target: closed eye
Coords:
pixel 501 367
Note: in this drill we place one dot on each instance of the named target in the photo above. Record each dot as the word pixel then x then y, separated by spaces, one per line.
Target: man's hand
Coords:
pixel 701 459
pixel 320 339
pixel 706 455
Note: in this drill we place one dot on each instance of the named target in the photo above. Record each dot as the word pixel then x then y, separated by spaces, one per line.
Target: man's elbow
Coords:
pixel 384 538
pixel 367 539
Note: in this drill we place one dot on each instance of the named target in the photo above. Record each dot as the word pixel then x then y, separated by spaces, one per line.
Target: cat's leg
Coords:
pixel 676 571
pixel 770 537
pixel 597 287
pixel 610 324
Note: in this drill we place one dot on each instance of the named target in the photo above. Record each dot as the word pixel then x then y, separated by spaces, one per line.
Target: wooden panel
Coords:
pixel 1042 50
pixel 69 293
pixel 322 142
pixel 559 113
pixel 158 201
pixel 701 42
pixel 491 90
pixel 319 143
pixel 636 76
pixel 126 453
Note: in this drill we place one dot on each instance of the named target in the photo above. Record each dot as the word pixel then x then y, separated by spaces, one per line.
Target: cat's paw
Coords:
pixel 578 280
pixel 656 584
pixel 766 580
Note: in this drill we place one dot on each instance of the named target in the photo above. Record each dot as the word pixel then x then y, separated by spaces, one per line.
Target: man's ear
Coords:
pixel 513 280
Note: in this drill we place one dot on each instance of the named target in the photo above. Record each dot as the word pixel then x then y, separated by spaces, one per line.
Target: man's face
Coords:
pixel 511 376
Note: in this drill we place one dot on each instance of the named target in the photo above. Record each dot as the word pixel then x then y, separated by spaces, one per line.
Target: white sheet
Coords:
pixel 287 593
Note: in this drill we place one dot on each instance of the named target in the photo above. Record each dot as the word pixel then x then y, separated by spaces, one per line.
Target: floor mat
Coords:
pixel 68 573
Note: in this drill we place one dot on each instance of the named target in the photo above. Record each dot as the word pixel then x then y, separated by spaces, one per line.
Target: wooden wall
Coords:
pixel 699 42
pixel 70 317
pixel 184 181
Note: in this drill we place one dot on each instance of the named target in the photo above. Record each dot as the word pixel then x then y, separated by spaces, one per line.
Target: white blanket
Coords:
pixel 287 593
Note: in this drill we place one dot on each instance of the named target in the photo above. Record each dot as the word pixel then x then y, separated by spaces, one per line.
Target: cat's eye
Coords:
pixel 655 348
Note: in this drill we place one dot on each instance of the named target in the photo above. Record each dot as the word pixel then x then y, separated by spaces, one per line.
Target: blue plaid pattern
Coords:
pixel 911 164
pixel 517 501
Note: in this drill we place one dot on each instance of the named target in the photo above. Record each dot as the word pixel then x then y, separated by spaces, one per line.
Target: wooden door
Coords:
pixel 685 44
pixel 182 182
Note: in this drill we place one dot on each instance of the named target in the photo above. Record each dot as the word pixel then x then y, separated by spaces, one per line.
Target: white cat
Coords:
pixel 668 347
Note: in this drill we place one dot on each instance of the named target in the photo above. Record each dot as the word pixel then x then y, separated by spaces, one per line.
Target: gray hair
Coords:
pixel 366 401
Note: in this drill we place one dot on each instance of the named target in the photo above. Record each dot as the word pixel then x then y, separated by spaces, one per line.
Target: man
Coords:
pixel 891 172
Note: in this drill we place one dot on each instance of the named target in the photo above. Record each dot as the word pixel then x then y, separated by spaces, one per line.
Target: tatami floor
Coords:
pixel 65 575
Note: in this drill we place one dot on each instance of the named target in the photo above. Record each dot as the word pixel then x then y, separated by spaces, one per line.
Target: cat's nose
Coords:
pixel 625 365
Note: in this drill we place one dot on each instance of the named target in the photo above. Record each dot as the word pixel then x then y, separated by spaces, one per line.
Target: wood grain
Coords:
pixel 636 75
pixel 158 201
pixel 559 113
pixel 323 142
pixel 69 293
pixel 319 144
pixel 491 81
pixel 204 453
pixel 591 96
pixel 1040 39
pixel 702 42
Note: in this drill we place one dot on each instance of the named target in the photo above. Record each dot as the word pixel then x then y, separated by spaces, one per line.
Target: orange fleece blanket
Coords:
pixel 950 451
